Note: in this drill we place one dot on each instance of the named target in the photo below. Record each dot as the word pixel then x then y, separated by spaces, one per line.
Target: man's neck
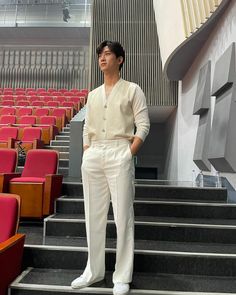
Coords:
pixel 111 79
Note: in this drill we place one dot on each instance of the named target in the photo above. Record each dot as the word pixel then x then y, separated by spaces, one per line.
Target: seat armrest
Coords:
pixel 38 144
pixel 11 252
pixel 52 191
pixel 5 179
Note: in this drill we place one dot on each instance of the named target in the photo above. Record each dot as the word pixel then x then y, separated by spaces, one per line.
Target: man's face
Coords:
pixel 108 62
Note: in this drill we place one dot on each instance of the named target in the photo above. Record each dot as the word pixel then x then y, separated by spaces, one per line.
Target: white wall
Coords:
pixel 219 40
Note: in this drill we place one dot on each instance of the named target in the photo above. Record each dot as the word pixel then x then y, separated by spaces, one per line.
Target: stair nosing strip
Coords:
pixel 184 203
pixel 99 290
pixel 136 251
pixel 152 223
pixel 94 290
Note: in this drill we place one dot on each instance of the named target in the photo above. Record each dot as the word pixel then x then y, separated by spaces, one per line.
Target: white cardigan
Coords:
pixel 115 116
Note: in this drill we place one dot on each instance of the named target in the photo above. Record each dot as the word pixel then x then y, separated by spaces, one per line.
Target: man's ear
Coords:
pixel 120 59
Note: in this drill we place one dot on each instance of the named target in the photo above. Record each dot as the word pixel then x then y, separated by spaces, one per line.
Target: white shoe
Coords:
pixel 121 289
pixel 81 282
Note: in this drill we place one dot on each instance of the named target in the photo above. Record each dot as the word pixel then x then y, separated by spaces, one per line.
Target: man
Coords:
pixel 113 110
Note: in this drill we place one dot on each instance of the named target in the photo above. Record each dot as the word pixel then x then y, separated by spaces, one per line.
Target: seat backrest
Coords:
pixel 59 112
pixel 49 120
pixel 8 160
pixel 8 132
pixel 41 112
pixel 37 103
pixel 8 103
pixel 27 120
pixel 8 111
pixel 24 112
pixel 23 103
pixel 8 119
pixel 9 215
pixel 31 133
pixel 40 163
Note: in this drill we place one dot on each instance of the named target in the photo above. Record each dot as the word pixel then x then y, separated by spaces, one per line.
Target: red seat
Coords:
pixel 60 114
pixel 62 90
pixel 53 103
pixel 8 136
pixel 30 120
pixel 60 99
pixel 38 185
pixel 11 243
pixel 41 112
pixel 24 112
pixel 50 90
pixel 49 128
pixel 8 119
pixel 21 97
pixel 31 138
pixel 23 103
pixel 37 103
pixel 7 97
pixel 8 103
pixel 8 111
pixel 8 160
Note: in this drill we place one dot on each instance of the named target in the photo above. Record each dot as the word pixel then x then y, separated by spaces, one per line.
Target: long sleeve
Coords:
pixel 86 140
pixel 140 110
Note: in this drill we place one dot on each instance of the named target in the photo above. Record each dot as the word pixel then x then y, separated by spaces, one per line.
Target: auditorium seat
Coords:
pixel 33 98
pixel 21 97
pixel 27 90
pixel 53 103
pixel 62 90
pixel 7 111
pixel 22 103
pixel 31 138
pixel 24 111
pixel 60 114
pixel 8 160
pixel 7 97
pixel 49 128
pixel 60 99
pixel 30 120
pixel 8 103
pixel 37 103
pixel 38 185
pixel 39 112
pixel 7 119
pixel 50 90
pixel 11 243
pixel 8 136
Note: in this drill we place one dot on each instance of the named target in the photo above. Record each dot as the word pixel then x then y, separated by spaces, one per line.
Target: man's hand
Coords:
pixel 135 146
pixel 86 147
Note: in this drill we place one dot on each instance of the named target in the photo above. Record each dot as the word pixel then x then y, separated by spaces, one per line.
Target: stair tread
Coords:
pixel 156 219
pixel 34 236
pixel 141 281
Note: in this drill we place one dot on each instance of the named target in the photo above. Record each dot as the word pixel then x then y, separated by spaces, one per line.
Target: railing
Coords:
pixel 37 13
pixel 196 12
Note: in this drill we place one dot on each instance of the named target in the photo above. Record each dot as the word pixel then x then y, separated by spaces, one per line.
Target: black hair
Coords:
pixel 115 47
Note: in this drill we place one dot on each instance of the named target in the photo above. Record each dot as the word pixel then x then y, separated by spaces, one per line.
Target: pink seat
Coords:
pixel 60 114
pixel 24 112
pixel 7 97
pixel 33 98
pixel 31 120
pixel 47 120
pixel 37 103
pixel 11 243
pixel 50 90
pixel 8 119
pixel 31 138
pixel 41 112
pixel 63 90
pixel 8 136
pixel 8 111
pixel 8 160
pixel 38 182
pixel 21 97
pixel 23 103
pixel 53 103
pixel 8 103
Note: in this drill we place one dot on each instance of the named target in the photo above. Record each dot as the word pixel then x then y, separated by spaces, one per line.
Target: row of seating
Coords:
pixel 11 116
pixel 37 103
pixel 43 91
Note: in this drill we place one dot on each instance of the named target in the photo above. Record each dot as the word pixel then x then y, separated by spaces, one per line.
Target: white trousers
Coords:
pixel 108 174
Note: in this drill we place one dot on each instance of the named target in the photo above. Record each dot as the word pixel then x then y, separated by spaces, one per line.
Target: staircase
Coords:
pixel 185 243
